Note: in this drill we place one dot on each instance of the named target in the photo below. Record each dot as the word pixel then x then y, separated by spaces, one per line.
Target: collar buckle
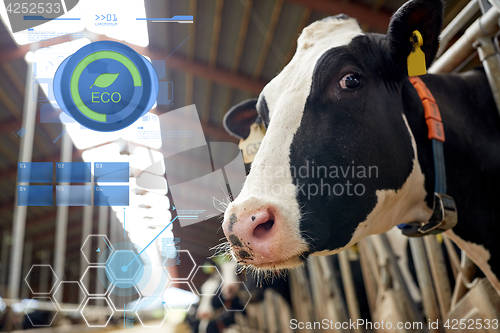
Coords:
pixel 444 217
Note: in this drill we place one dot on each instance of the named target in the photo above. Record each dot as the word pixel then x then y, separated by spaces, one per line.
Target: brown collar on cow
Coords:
pixel 444 214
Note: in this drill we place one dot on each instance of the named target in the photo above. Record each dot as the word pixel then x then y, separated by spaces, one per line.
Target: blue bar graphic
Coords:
pixel 174 18
pixel 111 196
pixel 111 172
pixel 41 18
pixel 73 195
pixel 35 195
pixel 35 172
pixel 73 172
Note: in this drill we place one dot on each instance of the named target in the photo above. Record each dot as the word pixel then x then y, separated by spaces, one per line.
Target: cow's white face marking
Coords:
pixel 269 183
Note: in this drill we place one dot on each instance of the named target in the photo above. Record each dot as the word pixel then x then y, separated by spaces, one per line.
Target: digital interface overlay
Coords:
pixel 104 93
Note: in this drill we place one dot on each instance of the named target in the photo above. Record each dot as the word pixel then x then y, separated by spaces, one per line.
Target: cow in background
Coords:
pixel 209 315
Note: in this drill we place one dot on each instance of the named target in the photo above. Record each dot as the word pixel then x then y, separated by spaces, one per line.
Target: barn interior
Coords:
pixel 53 257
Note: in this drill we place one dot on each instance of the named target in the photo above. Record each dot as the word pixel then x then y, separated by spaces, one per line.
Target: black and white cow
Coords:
pixel 344 103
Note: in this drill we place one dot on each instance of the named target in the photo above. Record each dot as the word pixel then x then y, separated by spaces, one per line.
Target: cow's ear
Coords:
pixel 426 16
pixel 240 117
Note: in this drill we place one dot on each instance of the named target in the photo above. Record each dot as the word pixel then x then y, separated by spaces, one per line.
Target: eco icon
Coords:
pixel 87 88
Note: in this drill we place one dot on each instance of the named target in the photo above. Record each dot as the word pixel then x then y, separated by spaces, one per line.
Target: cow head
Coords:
pixel 338 161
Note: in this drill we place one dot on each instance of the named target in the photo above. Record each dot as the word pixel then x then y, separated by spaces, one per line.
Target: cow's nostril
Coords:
pixel 263 228
pixel 268 225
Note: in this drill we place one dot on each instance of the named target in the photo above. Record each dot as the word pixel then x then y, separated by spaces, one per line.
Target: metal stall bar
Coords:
pixel 19 214
pixel 43 281
pixel 27 261
pixel 102 229
pixel 396 271
pixel 338 309
pixel 490 58
pixel 88 213
pixel 87 221
pixel 487 25
pixel 458 23
pixel 25 155
pixel 62 219
pixel 439 274
pixel 425 281
pixel 349 289
pixel 5 257
pixel 114 237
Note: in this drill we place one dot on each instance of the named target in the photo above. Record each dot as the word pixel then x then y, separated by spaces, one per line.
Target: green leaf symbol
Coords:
pixel 105 80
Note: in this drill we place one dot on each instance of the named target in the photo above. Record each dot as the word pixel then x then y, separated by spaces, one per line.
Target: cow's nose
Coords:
pixel 254 232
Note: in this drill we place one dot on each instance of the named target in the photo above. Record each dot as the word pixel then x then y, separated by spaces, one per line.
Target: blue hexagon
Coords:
pixel 126 267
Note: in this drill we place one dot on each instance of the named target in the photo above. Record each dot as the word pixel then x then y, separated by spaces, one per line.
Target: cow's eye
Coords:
pixel 350 81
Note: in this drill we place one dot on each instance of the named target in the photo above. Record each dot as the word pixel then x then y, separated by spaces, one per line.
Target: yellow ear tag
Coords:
pixel 251 145
pixel 416 59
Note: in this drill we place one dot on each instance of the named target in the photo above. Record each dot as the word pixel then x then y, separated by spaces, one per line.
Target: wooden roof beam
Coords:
pixel 212 61
pixel 378 20
pixel 268 39
pixel 190 54
pixel 9 104
pixel 14 78
pixel 238 53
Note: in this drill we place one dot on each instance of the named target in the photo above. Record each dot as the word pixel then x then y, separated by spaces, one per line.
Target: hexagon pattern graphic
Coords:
pixel 184 260
pixel 127 299
pixel 98 249
pixel 177 299
pixel 94 271
pixel 242 288
pixel 213 288
pixel 41 311
pixel 125 266
pixel 36 273
pixel 124 270
pixel 153 305
pixel 92 314
pixel 71 287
